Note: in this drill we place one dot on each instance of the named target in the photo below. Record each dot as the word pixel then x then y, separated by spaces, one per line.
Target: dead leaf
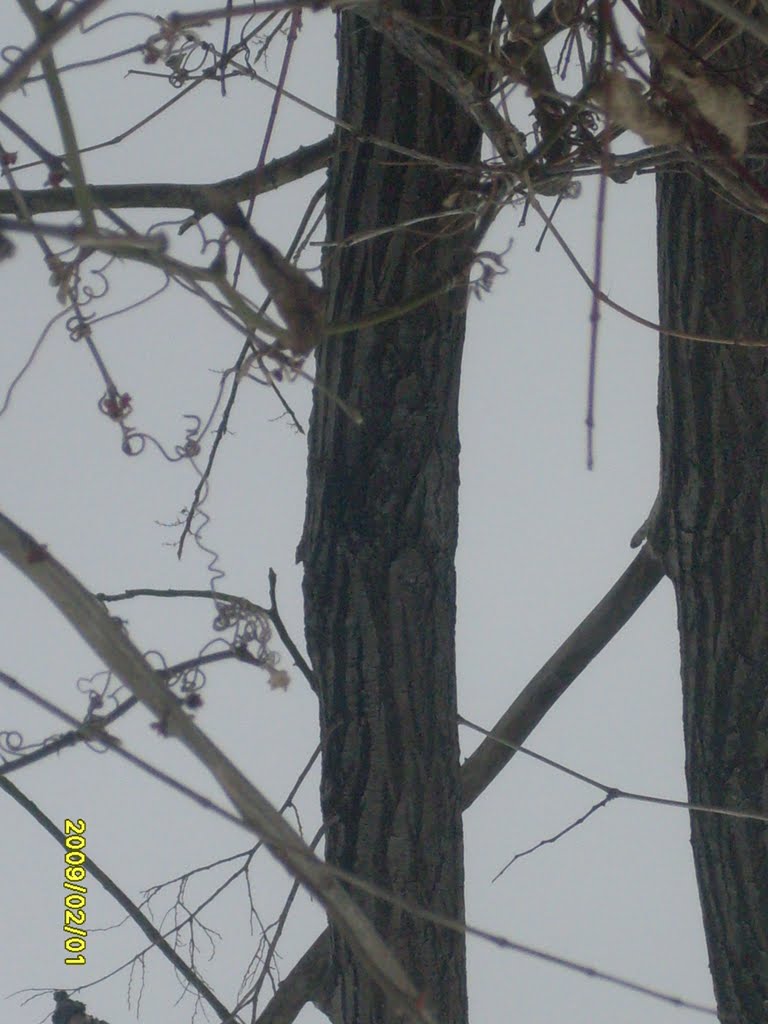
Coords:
pixel 278 678
pixel 719 102
pixel 625 102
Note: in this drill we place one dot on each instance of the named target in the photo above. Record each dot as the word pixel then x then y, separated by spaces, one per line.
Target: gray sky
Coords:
pixel 541 540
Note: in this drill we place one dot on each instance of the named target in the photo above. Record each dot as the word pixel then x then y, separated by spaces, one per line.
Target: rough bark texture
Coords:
pixel 712 533
pixel 381 523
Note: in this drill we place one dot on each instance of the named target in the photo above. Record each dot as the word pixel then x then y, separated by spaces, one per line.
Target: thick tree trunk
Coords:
pixel 381 524
pixel 712 533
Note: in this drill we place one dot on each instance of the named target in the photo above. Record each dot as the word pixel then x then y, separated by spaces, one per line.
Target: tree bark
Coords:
pixel 381 520
pixel 712 535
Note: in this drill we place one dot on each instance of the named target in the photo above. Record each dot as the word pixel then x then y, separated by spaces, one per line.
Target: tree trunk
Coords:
pixel 381 523
pixel 712 534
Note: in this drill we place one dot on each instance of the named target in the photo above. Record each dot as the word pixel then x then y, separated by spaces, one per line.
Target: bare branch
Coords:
pixel 215 595
pixel 553 679
pixel 558 835
pixel 80 735
pixel 303 161
pixel 503 942
pixel 178 21
pixel 122 898
pixel 60 106
pixel 285 636
pixel 42 46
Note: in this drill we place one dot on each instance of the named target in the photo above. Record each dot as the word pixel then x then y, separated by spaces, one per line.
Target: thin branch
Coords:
pixel 77 735
pixel 178 21
pixel 252 995
pixel 285 636
pixel 122 898
pixel 612 791
pixel 604 17
pixel 272 613
pixel 558 835
pixel 551 681
pixel 163 195
pixel 503 942
pixel 104 241
pixel 307 980
pixel 45 41
pixel 668 332
pixel 94 729
pixel 293 31
pixel 75 170
pixel 52 162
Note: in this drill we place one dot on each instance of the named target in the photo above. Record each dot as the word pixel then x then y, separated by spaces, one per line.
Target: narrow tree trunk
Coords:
pixel 712 534
pixel 381 524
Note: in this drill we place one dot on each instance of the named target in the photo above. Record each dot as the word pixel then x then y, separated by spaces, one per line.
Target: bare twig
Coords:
pixel 558 835
pixel 613 792
pixel 79 735
pixel 285 636
pixel 214 595
pixel 293 31
pixel 307 980
pixel 551 681
pixel 46 40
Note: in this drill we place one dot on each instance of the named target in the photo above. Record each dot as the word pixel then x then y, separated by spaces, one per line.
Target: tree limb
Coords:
pixel 517 723
pixel 306 981
pixel 553 679
pixel 170 195
pixel 44 43
pixel 157 939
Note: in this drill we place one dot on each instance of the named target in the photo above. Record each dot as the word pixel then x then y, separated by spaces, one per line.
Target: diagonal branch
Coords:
pixel 54 31
pixel 552 680
pixel 306 981
pixel 111 643
pixel 157 939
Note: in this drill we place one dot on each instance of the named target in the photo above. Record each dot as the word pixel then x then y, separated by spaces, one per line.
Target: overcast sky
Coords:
pixel 541 540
